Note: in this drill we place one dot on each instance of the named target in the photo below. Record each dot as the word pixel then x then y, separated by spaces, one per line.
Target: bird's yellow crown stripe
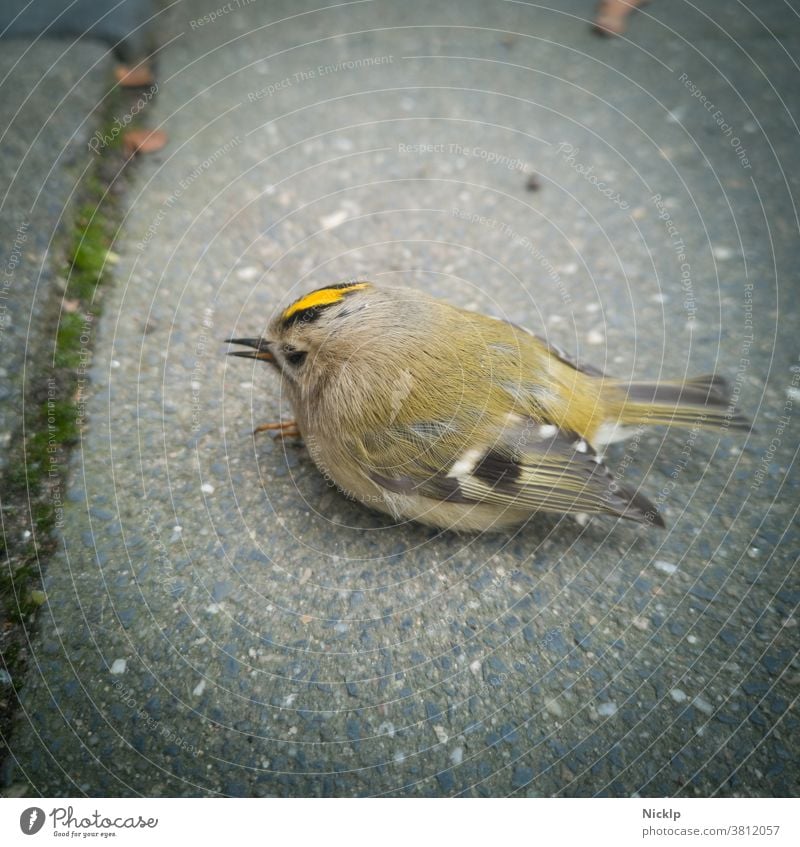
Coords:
pixel 322 297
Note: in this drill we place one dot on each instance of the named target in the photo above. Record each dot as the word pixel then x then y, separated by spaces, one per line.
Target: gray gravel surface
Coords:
pixel 221 622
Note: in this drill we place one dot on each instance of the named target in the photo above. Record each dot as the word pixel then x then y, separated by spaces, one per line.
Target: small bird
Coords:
pixel 458 420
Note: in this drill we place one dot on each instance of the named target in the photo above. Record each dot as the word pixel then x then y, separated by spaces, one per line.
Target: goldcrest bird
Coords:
pixel 462 421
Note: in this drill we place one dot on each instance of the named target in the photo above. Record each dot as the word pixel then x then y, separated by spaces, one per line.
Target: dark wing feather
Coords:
pixel 529 466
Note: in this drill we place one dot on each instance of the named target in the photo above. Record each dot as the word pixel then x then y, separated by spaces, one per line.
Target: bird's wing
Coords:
pixel 557 353
pixel 528 466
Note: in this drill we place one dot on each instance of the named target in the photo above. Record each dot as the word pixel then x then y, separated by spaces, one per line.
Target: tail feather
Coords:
pixel 703 401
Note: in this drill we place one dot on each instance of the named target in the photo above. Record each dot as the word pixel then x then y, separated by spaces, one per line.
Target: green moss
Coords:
pixel 62 427
pixel 44 516
pixel 58 429
pixel 68 340
pixel 51 424
pixel 15 588
pixel 16 477
pixel 89 254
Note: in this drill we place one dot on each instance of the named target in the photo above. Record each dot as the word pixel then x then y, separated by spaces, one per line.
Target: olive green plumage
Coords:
pixel 433 413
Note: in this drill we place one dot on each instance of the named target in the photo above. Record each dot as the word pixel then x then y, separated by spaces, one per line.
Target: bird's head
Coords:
pixel 321 333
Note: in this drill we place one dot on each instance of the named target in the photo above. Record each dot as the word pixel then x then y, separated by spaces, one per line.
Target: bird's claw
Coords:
pixel 282 430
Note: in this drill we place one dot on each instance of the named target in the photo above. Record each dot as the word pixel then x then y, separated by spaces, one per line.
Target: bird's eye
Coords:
pixel 296 357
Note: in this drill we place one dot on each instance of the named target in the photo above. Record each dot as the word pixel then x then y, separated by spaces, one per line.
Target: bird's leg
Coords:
pixel 611 14
pixel 284 429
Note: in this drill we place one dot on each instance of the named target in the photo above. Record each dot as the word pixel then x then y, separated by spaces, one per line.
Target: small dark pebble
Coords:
pixel 778 705
pixel 236 788
pixel 703 593
pixel 7 769
pixel 432 711
pixel 509 733
pixel 553 642
pixel 497 664
pixel 522 776
pixel 773 664
pixel 446 781
pixel 221 590
pixel 776 769
pixel 126 617
pixel 101 514
pixel 153 707
pixel 755 687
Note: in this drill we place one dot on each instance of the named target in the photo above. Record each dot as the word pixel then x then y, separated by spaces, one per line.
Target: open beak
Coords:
pixel 260 349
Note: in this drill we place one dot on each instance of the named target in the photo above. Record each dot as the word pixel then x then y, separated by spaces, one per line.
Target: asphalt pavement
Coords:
pixel 219 621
